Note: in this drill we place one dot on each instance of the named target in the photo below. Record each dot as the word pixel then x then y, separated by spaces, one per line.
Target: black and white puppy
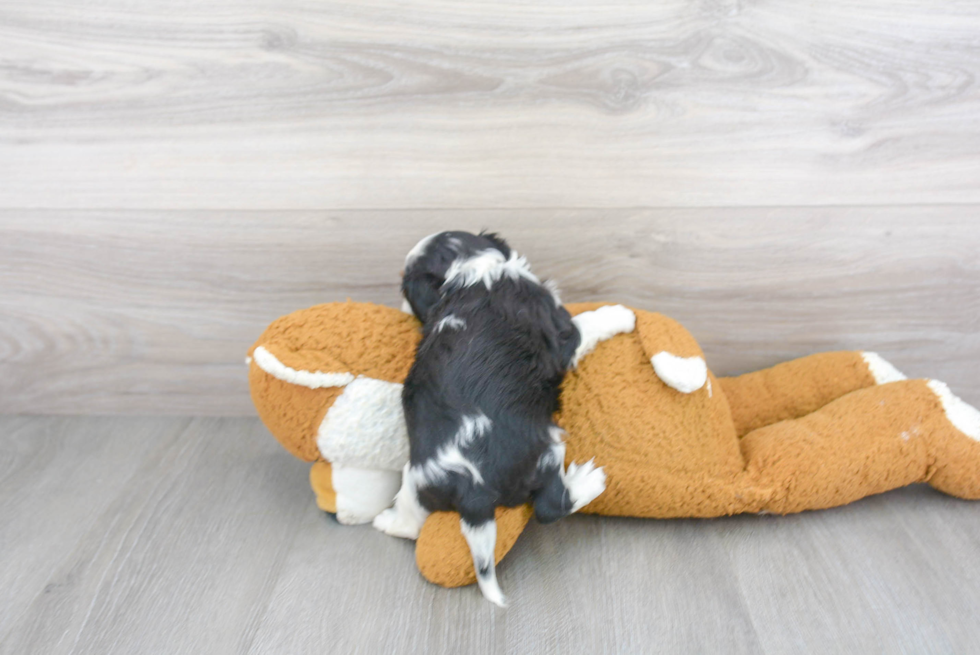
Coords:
pixel 481 393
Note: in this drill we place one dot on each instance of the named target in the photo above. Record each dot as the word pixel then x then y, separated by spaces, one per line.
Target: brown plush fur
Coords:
pixel 358 338
pixel 808 434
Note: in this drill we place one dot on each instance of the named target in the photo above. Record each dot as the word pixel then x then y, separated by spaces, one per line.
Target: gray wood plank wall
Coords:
pixel 781 177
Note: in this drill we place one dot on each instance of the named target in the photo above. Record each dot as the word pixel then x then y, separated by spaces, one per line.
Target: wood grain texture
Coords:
pixel 201 537
pixel 277 104
pixel 152 312
pixel 54 487
pixel 177 558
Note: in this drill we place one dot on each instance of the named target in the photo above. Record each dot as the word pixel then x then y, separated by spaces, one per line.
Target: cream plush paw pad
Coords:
pixel 881 369
pixel 963 416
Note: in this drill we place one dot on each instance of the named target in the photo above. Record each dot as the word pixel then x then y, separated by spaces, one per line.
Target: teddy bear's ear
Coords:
pixel 305 360
pixel 674 354
pixel 305 367
pixel 292 412
pixel 341 341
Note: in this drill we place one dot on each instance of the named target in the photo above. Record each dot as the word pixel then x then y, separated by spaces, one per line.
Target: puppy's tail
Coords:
pixel 482 539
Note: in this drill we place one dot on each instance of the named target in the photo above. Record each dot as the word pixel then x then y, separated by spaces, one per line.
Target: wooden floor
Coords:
pixel 168 535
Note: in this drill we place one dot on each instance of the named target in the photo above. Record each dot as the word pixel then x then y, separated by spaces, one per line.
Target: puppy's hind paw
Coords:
pixel 584 483
pixel 392 523
pixel 385 520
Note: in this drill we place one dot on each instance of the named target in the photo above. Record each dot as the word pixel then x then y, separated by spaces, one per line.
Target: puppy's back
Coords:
pixel 499 353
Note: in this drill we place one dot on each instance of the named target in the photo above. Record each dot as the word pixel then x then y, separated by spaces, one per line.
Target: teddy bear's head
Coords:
pixel 327 381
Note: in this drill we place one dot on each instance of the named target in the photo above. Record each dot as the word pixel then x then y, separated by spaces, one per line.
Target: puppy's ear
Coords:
pixel 497 242
pixel 421 289
pixel 568 336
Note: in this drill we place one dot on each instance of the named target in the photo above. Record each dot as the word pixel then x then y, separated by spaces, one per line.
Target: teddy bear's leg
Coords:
pixel 355 495
pixel 956 451
pixel 321 480
pixel 798 387
pixel 360 494
pixel 866 442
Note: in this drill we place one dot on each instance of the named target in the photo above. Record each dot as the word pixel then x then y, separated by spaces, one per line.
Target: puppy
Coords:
pixel 481 393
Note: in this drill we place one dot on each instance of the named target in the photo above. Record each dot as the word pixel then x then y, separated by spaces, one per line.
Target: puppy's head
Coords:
pixel 427 263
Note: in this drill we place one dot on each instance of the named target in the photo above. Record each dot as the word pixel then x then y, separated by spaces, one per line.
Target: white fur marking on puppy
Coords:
pixel 963 416
pixel 599 325
pixel 552 287
pixel 584 483
pixel 408 516
pixel 555 454
pixel 312 379
pixel 365 427
pixel 451 321
pixel 419 249
pixel 471 428
pixel 685 374
pixel 487 267
pixel 881 369
pixel 407 307
pixel 482 540
pixel 363 493
pixel 449 457
pixel 553 457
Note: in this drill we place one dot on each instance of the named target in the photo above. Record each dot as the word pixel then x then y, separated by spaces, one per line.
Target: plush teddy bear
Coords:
pixel 673 439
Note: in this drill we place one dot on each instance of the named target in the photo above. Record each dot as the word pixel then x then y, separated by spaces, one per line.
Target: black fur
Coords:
pixel 425 276
pixel 507 363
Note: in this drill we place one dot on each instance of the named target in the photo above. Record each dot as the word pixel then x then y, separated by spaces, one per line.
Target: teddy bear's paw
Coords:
pixel 394 524
pixel 881 369
pixel 963 416
pixel 599 325
pixel 584 483
pixel 616 318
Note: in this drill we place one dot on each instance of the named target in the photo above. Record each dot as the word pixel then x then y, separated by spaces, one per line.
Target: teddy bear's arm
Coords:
pixel 674 354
